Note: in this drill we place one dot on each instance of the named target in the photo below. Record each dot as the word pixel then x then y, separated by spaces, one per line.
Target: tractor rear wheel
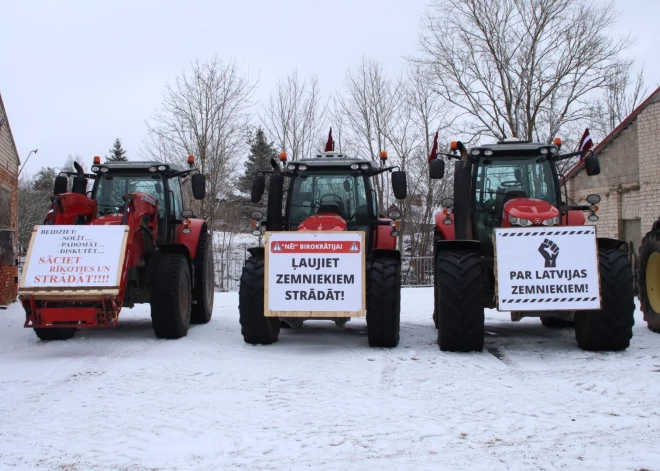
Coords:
pixel 255 327
pixel 384 302
pixel 460 312
pixel 202 309
pixel 171 296
pixel 648 276
pixel 610 328
pixel 55 333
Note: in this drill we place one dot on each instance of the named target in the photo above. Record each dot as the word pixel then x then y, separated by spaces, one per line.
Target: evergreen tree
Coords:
pixel 261 151
pixel 117 153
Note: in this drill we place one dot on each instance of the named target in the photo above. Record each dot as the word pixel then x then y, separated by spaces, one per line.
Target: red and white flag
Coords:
pixel 330 145
pixel 586 143
pixel 434 149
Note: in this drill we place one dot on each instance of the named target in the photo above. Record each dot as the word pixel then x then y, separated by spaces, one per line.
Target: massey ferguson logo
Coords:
pixel 549 250
pixel 537 221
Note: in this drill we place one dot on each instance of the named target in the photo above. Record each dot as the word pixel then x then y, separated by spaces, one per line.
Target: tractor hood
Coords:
pixel 532 209
pixel 108 220
pixel 323 222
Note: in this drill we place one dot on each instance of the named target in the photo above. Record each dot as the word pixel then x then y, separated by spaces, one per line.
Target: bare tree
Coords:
pixel 204 114
pixel 430 114
pixel 34 193
pixel 521 68
pixel 368 106
pixel 295 115
pixel 622 95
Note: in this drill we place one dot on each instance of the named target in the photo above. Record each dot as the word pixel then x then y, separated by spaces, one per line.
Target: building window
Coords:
pixel 5 208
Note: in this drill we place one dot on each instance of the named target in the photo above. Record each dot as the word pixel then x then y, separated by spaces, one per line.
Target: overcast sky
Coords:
pixel 74 75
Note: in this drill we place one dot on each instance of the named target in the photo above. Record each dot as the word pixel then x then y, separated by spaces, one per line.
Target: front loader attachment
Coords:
pixel 74 276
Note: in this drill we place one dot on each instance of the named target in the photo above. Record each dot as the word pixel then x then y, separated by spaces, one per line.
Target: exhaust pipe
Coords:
pixel 463 196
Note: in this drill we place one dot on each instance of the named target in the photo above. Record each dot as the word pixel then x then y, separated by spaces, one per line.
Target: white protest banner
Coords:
pixel 314 274
pixel 74 256
pixel 547 268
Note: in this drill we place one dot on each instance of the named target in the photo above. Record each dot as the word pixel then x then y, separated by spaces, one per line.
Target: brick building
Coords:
pixel 629 181
pixel 9 163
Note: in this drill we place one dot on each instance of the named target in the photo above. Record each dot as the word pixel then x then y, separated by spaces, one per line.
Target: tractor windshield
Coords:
pixel 344 194
pixel 112 188
pixel 500 179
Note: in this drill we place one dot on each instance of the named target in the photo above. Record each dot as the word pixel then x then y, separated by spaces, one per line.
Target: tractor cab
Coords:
pixel 507 184
pixel 515 185
pixel 115 179
pixel 329 192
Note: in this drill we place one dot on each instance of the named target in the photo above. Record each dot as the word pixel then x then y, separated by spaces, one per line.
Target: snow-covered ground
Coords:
pixel 322 399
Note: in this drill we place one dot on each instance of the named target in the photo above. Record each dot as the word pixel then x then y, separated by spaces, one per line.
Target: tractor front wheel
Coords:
pixel 202 310
pixel 171 296
pixel 648 277
pixel 459 310
pixel 55 333
pixel 610 328
pixel 255 327
pixel 384 302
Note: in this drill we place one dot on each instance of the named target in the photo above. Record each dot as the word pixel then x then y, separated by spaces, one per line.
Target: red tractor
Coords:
pixel 331 192
pixel 167 259
pixel 515 184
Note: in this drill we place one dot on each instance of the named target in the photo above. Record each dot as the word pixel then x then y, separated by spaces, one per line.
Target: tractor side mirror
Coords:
pixel 60 184
pixel 399 185
pixel 437 169
pixel 592 165
pixel 258 187
pixel 199 186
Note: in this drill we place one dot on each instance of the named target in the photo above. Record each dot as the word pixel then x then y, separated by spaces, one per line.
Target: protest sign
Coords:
pixel 74 256
pixel 547 269
pixel 314 274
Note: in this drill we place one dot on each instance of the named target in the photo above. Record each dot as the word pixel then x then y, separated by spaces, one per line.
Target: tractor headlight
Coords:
pixel 364 166
pixel 519 221
pixel 354 166
pixel 153 169
pixel 104 169
pixel 162 168
pixel 257 215
pixel 488 152
pixel 447 221
pixel 551 221
pixel 544 150
pixel 593 217
pixel 302 167
pixel 256 232
pixel 394 233
pixel 475 152
pixel 95 169
pixel 290 167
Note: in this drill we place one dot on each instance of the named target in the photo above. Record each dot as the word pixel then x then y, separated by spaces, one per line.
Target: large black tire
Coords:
pixel 460 312
pixel 648 278
pixel 610 328
pixel 171 296
pixel 384 302
pixel 202 309
pixel 255 327
pixel 556 323
pixel 55 333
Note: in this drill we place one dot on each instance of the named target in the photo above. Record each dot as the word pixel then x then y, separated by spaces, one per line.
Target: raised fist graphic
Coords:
pixel 549 250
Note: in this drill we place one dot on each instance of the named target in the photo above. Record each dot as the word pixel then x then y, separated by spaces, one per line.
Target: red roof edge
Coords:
pixel 611 136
